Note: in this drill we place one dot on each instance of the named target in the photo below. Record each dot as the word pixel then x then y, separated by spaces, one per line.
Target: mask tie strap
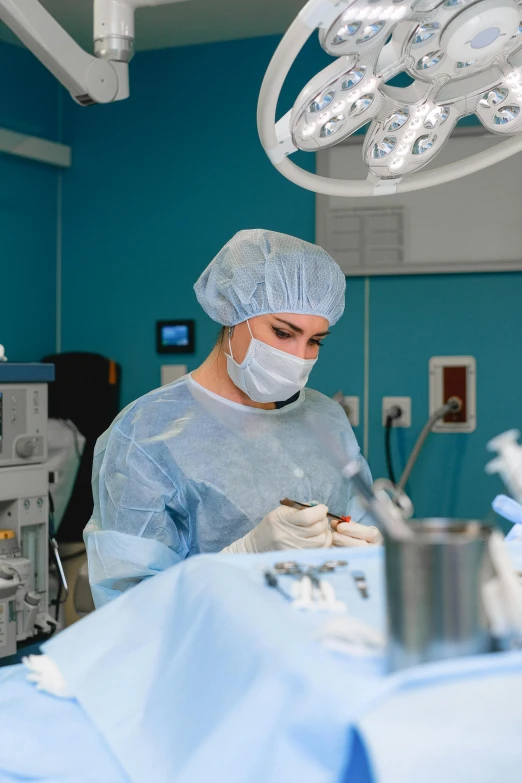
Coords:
pixel 230 333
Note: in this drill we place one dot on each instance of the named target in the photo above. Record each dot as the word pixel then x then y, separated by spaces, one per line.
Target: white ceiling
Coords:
pixel 182 23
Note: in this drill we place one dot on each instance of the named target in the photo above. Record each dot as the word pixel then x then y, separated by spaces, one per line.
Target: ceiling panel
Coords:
pixel 182 23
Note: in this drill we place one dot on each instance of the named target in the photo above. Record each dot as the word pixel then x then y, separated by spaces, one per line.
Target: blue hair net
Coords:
pixel 260 272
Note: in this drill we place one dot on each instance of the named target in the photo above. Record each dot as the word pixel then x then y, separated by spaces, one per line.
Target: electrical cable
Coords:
pixel 452 406
pixel 53 552
pixel 395 412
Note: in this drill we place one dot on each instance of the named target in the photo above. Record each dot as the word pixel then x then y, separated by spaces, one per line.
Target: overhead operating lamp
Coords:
pixel 462 57
pixel 101 78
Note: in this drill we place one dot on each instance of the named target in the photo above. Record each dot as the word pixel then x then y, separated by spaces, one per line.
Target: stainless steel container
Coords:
pixel 434 592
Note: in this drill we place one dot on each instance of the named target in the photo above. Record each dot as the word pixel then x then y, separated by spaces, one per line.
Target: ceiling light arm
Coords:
pixel 87 78
pixel 90 79
pixel 278 149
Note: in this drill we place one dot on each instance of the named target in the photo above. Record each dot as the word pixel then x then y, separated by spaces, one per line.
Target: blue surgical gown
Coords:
pixel 183 471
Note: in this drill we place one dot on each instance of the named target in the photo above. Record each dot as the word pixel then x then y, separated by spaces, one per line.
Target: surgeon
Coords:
pixel 200 465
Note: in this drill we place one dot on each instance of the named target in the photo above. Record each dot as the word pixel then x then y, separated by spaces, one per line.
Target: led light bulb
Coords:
pixel 321 102
pixel 332 126
pixel 425 32
pixel 397 120
pixel 495 96
pixel 384 147
pixel 396 164
pixel 361 105
pixel 423 144
pixel 353 77
pixel 370 31
pixel 430 60
pixel 506 114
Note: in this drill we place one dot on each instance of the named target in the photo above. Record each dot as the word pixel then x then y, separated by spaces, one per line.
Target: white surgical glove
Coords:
pixel 287 528
pixel 354 534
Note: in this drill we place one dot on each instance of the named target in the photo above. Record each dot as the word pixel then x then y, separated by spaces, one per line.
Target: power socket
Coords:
pixel 351 406
pixel 454 377
pixel 404 403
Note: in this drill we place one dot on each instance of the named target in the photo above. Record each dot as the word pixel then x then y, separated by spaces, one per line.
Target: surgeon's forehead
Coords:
pixel 301 322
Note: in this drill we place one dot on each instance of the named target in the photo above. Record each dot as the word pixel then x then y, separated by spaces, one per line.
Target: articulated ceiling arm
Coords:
pixel 89 79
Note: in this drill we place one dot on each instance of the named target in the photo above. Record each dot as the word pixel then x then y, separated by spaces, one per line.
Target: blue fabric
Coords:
pixel 260 272
pixel 49 740
pixel 183 471
pixel 204 674
pixel 217 678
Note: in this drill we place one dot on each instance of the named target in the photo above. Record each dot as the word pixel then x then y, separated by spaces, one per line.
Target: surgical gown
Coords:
pixel 183 471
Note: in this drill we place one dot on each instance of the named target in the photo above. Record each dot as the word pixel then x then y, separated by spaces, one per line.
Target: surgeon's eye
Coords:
pixel 314 341
pixel 282 335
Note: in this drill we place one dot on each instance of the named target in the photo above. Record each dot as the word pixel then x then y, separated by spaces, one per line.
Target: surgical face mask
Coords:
pixel 267 374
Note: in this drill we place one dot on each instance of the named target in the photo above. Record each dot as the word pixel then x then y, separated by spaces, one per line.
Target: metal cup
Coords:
pixel 434 591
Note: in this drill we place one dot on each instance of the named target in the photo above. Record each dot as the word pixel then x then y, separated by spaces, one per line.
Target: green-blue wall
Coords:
pixel 161 181
pixel 29 103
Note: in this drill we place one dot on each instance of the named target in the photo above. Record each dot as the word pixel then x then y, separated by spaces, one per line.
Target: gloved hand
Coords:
pixel 287 528
pixel 354 534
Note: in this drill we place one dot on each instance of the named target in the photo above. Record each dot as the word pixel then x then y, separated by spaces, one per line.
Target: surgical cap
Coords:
pixel 259 272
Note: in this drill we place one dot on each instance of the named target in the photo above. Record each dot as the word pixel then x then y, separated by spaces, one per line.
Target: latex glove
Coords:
pixel 354 534
pixel 287 528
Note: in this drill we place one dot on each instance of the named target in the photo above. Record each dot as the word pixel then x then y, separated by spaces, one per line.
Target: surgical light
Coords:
pixel 461 57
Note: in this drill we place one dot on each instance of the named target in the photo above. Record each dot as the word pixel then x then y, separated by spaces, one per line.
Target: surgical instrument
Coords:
pixel 361 584
pixel 298 505
pixel 272 581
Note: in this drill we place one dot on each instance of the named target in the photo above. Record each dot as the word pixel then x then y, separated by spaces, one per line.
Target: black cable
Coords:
pixel 58 602
pixel 52 531
pixel 394 413
pixel 387 449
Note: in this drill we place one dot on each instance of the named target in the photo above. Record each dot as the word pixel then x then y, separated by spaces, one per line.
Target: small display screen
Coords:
pixel 175 337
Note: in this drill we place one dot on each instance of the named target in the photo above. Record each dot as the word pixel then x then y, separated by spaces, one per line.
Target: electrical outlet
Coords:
pixel 454 377
pixel 404 403
pixel 351 406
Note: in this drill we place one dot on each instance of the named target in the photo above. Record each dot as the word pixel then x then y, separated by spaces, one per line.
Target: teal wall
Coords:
pixel 29 103
pixel 161 181
pixel 414 318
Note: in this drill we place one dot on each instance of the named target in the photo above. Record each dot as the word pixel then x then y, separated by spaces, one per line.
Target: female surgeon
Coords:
pixel 200 465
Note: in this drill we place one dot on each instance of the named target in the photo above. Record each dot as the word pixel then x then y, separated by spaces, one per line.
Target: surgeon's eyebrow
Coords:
pixel 298 329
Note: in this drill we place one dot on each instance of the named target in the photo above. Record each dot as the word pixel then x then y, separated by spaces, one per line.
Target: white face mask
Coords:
pixel 267 374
